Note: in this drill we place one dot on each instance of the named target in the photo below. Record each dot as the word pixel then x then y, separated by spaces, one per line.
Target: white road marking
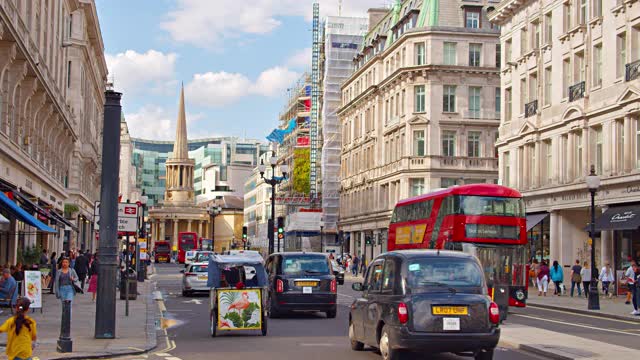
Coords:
pixel 162 354
pixel 349 296
pixel 585 315
pixel 193 301
pixel 172 358
pixel 317 344
pixel 577 325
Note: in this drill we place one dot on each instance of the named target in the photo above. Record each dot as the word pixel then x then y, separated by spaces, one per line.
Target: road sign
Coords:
pixel 96 215
pixel 127 217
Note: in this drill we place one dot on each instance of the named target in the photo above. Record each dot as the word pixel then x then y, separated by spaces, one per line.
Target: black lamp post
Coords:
pixel 322 235
pixel 593 183
pixel 213 212
pixel 273 181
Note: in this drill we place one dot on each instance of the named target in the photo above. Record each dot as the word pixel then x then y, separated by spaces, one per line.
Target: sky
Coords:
pixel 236 59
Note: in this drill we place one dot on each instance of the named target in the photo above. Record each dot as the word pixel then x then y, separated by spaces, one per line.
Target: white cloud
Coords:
pixel 216 89
pixel 158 123
pixel 300 59
pixel 133 71
pixel 207 23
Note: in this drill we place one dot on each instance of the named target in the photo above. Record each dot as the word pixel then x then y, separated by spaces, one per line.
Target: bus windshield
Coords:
pixel 488 205
pixel 162 248
pixel 502 264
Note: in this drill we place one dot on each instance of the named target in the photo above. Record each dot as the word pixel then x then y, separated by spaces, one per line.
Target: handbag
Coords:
pixel 77 288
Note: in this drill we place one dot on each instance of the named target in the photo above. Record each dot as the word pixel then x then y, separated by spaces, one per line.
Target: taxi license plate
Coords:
pixel 450 310
pixel 202 277
pixel 306 283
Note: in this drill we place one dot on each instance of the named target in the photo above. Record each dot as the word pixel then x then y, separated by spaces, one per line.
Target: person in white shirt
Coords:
pixel 585 273
pixel 606 276
pixel 629 278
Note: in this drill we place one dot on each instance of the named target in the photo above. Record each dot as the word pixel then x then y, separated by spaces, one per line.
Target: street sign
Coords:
pixel 96 215
pixel 127 217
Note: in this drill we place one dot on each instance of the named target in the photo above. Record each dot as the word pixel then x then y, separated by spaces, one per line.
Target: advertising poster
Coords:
pixel 33 288
pixel 239 309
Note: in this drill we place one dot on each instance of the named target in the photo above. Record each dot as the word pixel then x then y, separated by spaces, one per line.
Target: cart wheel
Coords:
pixel 264 323
pixel 213 324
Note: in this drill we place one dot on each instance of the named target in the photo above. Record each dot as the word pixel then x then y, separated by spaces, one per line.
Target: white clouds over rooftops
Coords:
pixel 215 89
pixel 133 72
pixel 207 23
pixel 159 123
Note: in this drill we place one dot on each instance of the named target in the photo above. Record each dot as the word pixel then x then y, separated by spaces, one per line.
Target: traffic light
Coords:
pixel 280 228
pixel 244 234
pixel 367 240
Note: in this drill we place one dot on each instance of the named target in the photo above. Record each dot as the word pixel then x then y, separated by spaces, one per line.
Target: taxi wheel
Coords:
pixel 485 354
pixel 355 344
pixel 264 324
pixel 273 312
pixel 185 293
pixel 385 346
pixel 331 314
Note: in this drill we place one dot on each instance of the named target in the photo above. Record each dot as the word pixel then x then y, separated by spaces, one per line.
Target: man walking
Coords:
pixel 81 267
pixel 576 278
pixel 355 265
pixel 629 277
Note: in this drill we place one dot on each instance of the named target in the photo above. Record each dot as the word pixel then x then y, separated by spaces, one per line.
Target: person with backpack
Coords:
pixel 21 332
pixel 576 278
pixel 557 277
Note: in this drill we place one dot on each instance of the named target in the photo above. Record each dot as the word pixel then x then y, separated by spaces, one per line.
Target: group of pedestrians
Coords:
pixel 581 276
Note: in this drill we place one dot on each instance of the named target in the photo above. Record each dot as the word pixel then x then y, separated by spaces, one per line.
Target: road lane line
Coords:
pixel 584 315
pixel 577 325
pixel 349 296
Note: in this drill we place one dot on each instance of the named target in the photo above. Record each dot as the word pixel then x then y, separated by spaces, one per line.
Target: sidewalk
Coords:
pixel 610 308
pixel 135 334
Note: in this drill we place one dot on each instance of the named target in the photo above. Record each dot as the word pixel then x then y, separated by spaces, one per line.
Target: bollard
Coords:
pixel 65 344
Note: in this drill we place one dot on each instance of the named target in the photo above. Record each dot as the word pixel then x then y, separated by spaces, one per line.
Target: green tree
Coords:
pixel 301 169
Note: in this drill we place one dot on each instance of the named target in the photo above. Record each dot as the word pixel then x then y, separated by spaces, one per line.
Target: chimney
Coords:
pixel 375 15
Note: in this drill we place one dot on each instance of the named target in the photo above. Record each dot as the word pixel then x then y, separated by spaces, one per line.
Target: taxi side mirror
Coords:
pixel 357 286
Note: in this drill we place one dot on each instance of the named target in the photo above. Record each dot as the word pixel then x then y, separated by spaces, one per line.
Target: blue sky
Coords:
pixel 235 57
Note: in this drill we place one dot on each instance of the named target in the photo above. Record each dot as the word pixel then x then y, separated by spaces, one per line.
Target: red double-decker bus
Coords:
pixel 485 220
pixel 186 241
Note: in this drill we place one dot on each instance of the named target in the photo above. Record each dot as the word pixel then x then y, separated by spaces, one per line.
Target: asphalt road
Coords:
pixel 306 337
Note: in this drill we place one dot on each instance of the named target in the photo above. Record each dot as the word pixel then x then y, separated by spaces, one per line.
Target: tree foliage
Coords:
pixel 301 170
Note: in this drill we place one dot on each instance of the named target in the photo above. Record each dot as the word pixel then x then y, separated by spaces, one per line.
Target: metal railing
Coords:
pixel 632 71
pixel 531 108
pixel 576 91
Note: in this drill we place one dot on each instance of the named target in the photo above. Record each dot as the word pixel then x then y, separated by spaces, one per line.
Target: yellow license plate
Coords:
pixel 306 283
pixel 450 310
pixel 202 277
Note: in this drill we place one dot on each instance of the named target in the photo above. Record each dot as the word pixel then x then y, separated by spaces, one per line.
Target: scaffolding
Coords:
pixel 342 37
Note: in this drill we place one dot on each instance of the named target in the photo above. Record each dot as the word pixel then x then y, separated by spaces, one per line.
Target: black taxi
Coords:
pixel 424 300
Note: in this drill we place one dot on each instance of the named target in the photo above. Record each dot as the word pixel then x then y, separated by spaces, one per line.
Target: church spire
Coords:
pixel 180 148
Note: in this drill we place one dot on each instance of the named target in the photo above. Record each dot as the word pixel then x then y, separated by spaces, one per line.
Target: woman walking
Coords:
pixel 585 273
pixel 606 276
pixel 93 279
pixel 63 285
pixel 543 278
pixel 557 277
pixel 21 332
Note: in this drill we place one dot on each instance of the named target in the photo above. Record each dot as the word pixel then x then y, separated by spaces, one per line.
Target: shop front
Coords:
pixel 623 222
pixel 538 234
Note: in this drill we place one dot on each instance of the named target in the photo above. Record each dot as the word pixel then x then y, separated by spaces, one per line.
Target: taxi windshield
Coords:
pixel 443 273
pixel 305 265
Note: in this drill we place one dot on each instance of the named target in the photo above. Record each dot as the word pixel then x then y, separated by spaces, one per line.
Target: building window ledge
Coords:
pixel 545 47
pixel 617 10
pixel 450 112
pixel 580 28
pixel 564 37
pixel 595 21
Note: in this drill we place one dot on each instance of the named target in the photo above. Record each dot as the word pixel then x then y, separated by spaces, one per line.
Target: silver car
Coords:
pixel 194 278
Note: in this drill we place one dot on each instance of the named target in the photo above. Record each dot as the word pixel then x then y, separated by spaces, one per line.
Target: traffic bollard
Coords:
pixel 65 344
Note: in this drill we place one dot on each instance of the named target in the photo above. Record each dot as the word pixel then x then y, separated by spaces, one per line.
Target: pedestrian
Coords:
pixel 93 277
pixel 65 278
pixel 44 259
pixel 557 277
pixel 632 284
pixel 585 273
pixel 576 278
pixel 533 272
pixel 606 276
pixel 543 278
pixel 21 332
pixel 82 268
pixel 629 279
pixel 354 265
pixel 72 258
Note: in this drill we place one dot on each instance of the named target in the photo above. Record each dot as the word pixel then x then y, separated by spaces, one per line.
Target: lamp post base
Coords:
pixel 594 299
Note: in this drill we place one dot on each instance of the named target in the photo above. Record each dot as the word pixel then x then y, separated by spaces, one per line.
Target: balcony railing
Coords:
pixel 576 91
pixel 530 109
pixel 632 71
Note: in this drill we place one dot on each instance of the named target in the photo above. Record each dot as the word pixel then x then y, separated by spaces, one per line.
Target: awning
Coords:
pixel 21 214
pixel 534 219
pixel 619 218
pixel 65 222
pixel 3 220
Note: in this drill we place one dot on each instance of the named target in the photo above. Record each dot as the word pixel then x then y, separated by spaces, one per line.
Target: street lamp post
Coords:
pixel 213 212
pixel 593 183
pixel 321 235
pixel 141 267
pixel 273 181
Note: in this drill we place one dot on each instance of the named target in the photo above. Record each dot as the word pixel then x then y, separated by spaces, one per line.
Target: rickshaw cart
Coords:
pixel 237 294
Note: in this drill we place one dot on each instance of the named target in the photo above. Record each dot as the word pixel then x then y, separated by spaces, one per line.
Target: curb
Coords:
pixel 152 341
pixel 585 312
pixel 530 349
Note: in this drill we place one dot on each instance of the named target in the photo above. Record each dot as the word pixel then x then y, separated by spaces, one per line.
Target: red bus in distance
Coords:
pixel 186 241
pixel 485 220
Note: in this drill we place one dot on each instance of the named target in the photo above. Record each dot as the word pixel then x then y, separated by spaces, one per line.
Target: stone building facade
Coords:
pixel 420 112
pixel 571 101
pixel 52 82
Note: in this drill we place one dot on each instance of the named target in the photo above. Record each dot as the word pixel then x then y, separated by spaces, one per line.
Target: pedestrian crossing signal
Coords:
pixel 280 228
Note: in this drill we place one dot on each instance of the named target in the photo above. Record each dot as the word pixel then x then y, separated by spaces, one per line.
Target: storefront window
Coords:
pixel 627 248
pixel 538 238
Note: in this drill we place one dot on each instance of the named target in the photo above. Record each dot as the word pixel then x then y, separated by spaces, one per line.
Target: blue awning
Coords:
pixel 22 215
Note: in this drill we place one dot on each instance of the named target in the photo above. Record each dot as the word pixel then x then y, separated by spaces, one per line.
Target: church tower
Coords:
pixel 179 181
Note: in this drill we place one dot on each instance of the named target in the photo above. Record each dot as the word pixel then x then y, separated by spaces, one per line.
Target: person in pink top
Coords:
pixel 543 278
